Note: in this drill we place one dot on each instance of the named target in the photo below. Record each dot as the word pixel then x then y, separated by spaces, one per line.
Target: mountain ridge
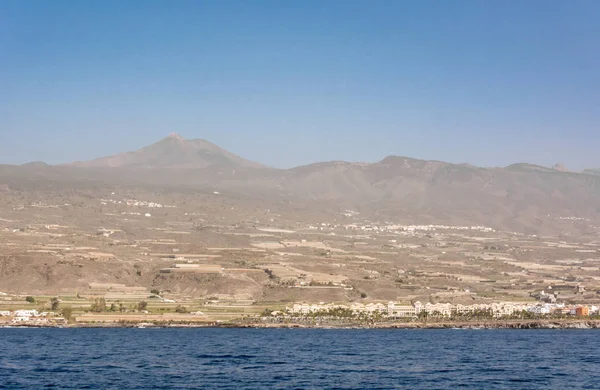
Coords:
pixel 521 197
pixel 173 151
pixel 149 157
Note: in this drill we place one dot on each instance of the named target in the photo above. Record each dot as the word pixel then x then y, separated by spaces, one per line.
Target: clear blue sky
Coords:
pixel 293 82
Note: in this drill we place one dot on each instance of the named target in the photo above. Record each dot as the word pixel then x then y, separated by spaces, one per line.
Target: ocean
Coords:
pixel 205 358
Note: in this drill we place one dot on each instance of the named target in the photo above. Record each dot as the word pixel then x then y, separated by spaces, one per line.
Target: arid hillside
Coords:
pixel 514 198
pixel 212 230
pixel 521 197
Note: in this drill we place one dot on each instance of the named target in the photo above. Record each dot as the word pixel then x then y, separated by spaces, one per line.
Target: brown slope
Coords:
pixel 173 151
pixel 521 197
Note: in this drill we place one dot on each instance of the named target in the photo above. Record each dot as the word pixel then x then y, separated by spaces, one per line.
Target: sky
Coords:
pixel 287 83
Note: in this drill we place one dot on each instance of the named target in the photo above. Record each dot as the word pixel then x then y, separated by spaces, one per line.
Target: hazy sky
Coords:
pixel 293 82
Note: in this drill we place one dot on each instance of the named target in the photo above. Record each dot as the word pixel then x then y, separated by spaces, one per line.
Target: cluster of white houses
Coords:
pixel 415 228
pixel 32 317
pixel 135 203
pixel 395 310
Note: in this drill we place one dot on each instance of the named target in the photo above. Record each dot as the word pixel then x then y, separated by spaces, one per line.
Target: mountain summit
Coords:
pixel 176 136
pixel 174 151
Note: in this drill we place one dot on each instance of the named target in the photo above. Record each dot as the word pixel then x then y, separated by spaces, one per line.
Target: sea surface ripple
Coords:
pixel 298 359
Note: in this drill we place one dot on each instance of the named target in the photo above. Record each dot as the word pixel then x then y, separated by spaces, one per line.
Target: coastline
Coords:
pixel 522 324
pixel 508 324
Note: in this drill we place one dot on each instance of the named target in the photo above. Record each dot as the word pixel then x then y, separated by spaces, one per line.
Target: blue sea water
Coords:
pixel 298 359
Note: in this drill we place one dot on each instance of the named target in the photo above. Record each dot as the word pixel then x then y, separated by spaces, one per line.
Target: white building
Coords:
pixel 395 310
pixel 401 310
pixel 539 309
pixel 26 313
pixel 444 309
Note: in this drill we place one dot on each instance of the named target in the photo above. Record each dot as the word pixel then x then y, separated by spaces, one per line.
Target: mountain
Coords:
pixel 33 164
pixel 524 167
pixel 173 151
pixel 521 197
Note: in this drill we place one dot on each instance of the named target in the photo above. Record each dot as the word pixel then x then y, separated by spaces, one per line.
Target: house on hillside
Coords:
pixel 582 311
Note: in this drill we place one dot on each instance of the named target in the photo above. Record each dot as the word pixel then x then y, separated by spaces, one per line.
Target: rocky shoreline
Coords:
pixel 548 324
pixel 529 324
pixel 522 324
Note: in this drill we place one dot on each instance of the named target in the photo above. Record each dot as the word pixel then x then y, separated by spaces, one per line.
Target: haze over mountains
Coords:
pixel 595 171
pixel 520 197
pixel 172 152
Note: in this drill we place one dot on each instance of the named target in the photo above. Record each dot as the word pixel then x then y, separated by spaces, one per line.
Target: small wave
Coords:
pixel 205 356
